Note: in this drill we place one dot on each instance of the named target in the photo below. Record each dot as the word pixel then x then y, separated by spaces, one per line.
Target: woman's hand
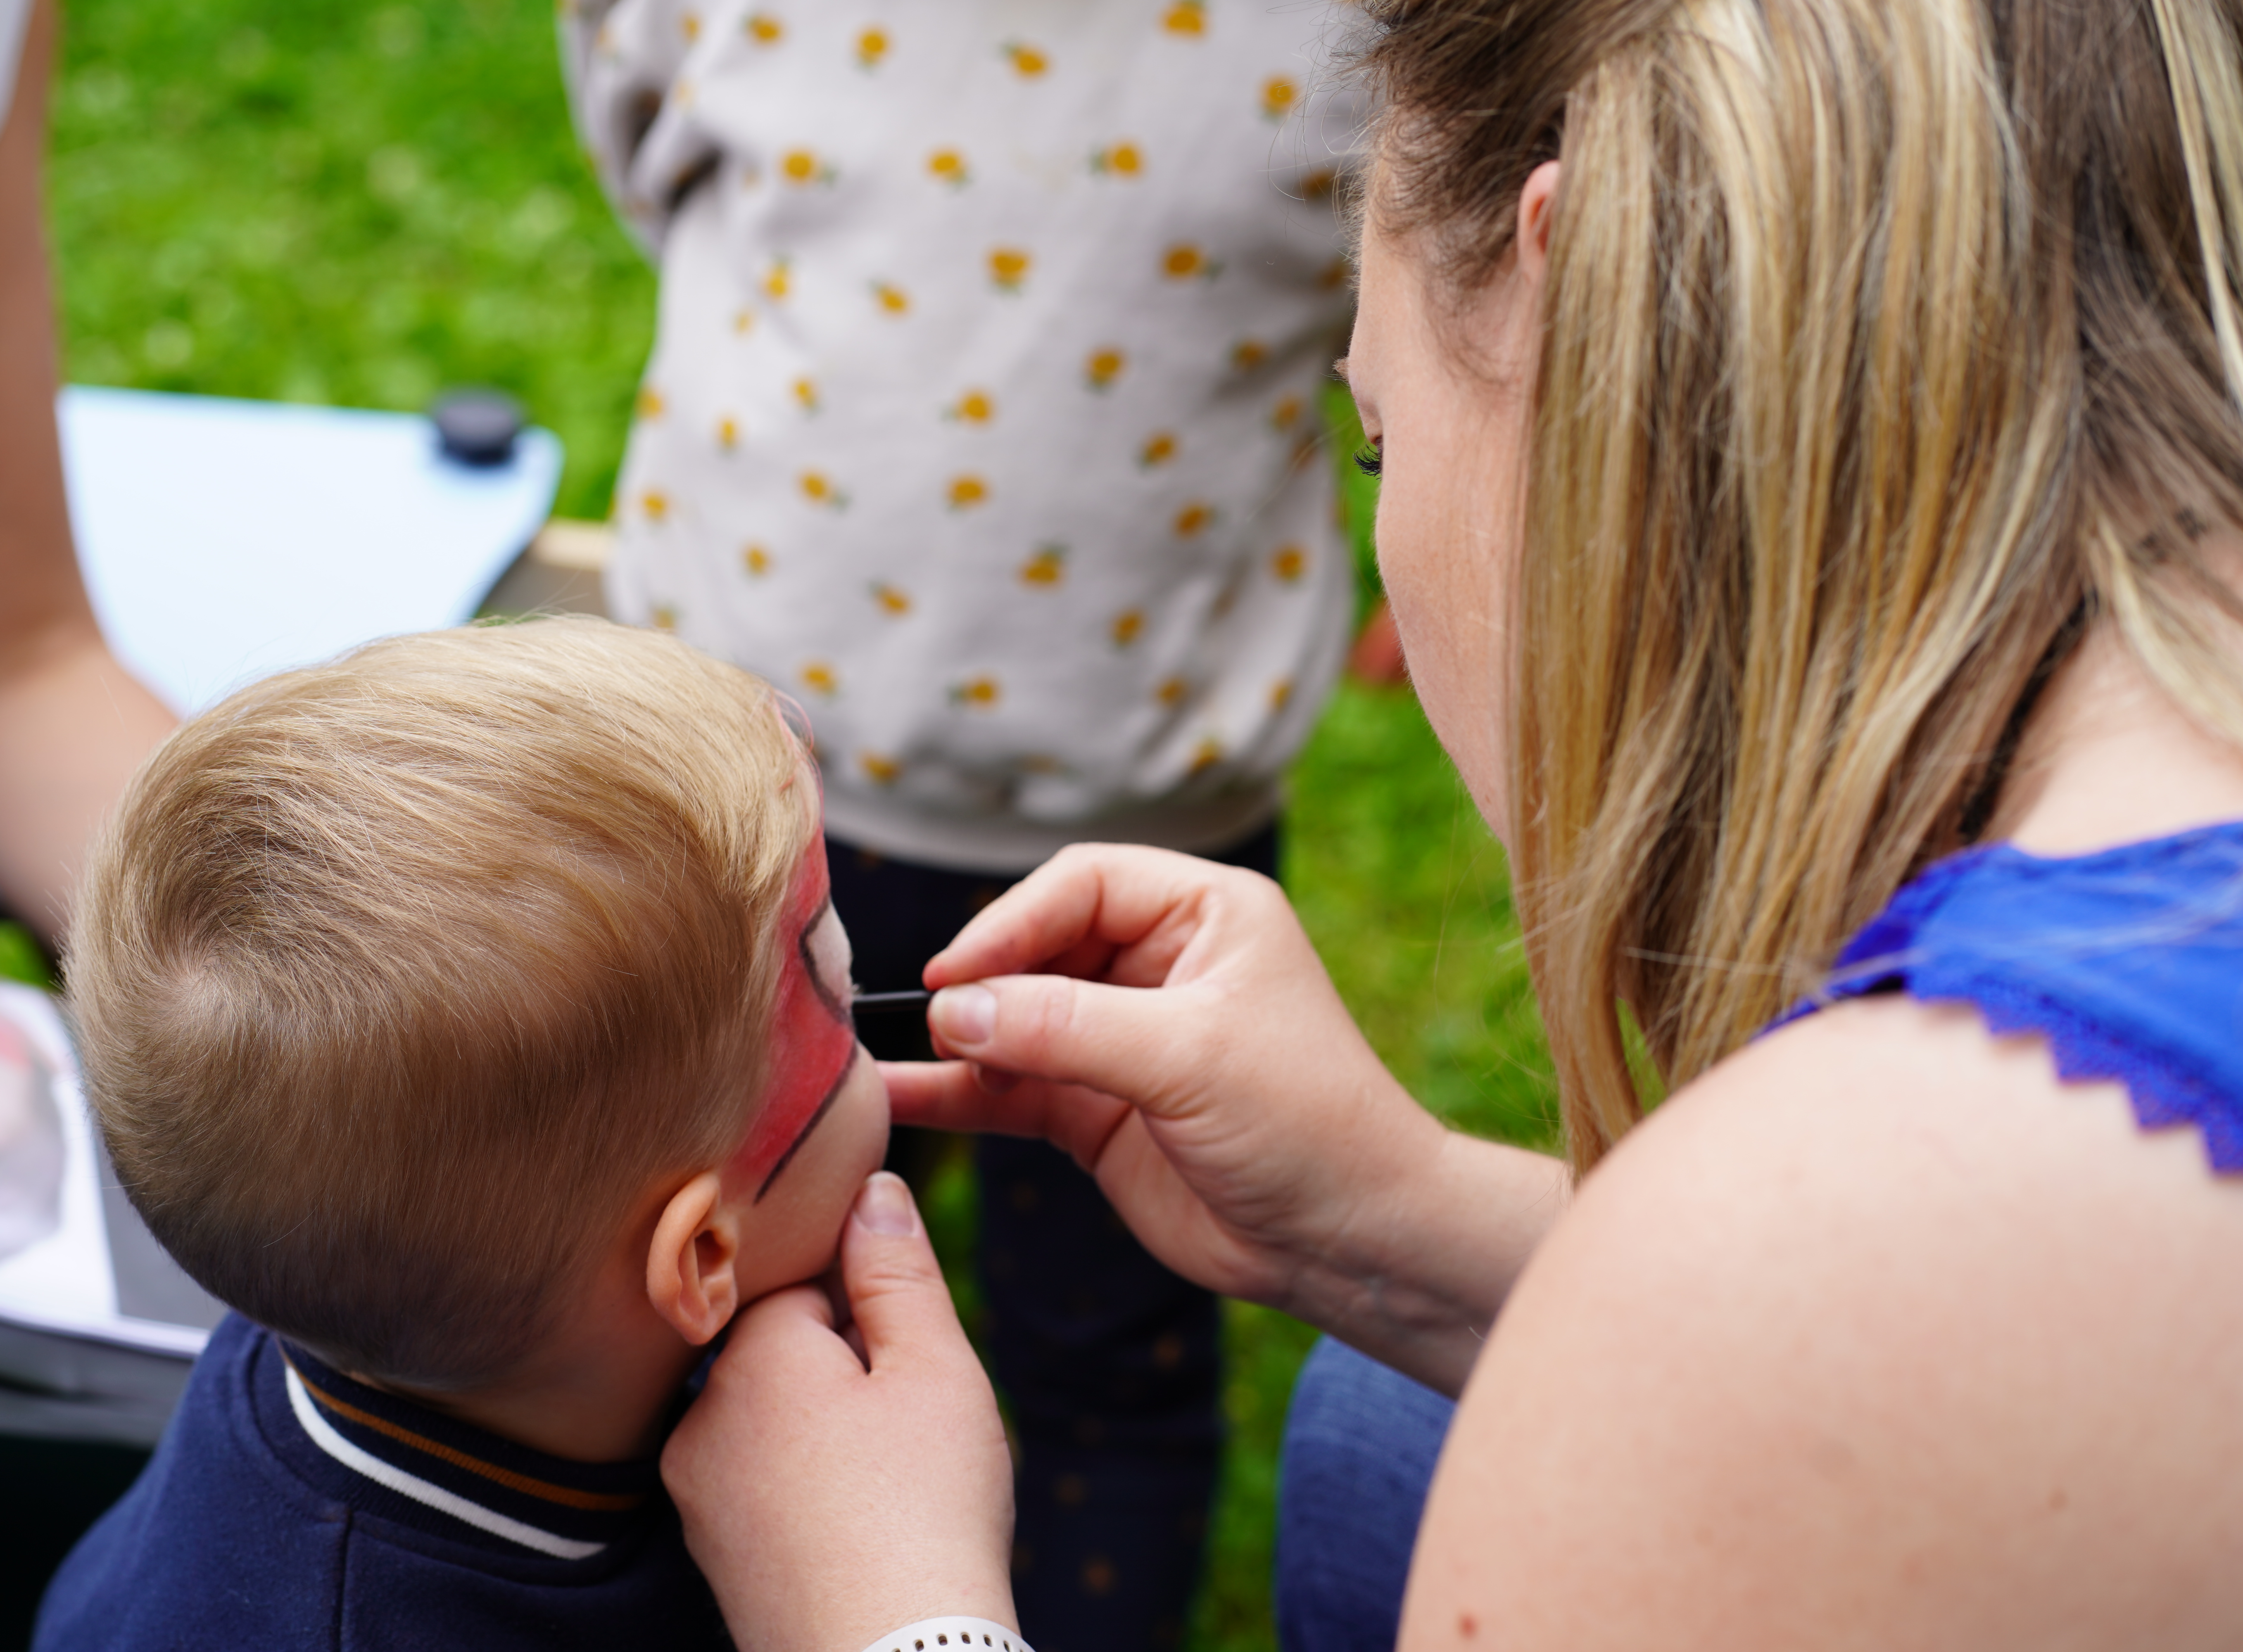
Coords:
pixel 830 1498
pixel 1183 1043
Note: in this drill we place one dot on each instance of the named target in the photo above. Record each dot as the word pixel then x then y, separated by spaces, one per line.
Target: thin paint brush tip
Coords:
pixel 882 1003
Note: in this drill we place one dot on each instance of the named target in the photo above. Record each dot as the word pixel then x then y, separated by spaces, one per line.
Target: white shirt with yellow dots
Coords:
pixel 983 409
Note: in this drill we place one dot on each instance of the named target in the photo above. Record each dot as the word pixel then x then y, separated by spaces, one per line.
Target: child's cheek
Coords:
pixel 809 1062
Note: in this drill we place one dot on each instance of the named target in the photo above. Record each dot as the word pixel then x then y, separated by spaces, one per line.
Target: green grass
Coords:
pixel 325 202
pixel 22 957
pixel 306 201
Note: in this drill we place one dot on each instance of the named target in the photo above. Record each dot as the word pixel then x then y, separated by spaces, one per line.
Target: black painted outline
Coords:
pixel 840 1012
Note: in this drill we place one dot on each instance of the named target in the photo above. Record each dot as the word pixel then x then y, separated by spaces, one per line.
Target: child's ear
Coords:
pixel 691 1265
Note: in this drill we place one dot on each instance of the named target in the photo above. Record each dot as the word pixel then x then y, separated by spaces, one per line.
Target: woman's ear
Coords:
pixel 1538 204
pixel 692 1262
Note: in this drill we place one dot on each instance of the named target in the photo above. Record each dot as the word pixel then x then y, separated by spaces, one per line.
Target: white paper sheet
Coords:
pixel 223 541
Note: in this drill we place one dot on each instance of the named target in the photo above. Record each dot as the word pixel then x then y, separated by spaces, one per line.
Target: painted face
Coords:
pixel 814 1046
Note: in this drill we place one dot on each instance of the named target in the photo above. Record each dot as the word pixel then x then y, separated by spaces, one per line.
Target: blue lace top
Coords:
pixel 2129 961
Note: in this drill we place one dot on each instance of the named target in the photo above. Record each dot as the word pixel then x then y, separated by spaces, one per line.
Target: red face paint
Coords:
pixel 813 1041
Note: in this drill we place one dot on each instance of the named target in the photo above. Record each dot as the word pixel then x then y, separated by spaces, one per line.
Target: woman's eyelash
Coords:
pixel 1370 458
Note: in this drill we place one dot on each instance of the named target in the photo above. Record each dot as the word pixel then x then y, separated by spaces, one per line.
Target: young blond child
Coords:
pixel 470 1015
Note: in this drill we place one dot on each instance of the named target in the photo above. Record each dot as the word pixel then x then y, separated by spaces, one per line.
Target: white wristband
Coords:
pixel 950 1635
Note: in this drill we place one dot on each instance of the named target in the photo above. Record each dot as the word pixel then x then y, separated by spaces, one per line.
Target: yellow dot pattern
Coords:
pixel 819 489
pixel 803 166
pixel 1123 159
pixel 1060 460
pixel 1186 259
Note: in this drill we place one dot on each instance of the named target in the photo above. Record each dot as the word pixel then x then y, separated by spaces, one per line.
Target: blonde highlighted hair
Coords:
pixel 402 981
pixel 1886 344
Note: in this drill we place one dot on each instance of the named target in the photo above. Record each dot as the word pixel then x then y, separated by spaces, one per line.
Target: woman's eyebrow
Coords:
pixel 1339 370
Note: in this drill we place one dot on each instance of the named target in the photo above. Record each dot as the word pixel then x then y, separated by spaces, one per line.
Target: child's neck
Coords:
pixel 600 1389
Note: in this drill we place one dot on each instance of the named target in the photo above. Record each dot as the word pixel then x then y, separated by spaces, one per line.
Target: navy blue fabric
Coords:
pixel 1361 1440
pixel 243 1535
pixel 2129 961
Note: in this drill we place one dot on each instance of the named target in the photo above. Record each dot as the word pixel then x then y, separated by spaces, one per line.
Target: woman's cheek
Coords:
pixel 1448 565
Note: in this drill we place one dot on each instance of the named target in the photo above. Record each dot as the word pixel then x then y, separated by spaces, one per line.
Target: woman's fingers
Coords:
pixel 955 1096
pixel 898 1299
pixel 829 1497
pixel 1130 1040
pixel 773 1315
pixel 1086 904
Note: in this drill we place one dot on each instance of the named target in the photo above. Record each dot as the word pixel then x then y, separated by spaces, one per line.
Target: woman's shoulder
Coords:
pixel 1880 1333
pixel 2127 961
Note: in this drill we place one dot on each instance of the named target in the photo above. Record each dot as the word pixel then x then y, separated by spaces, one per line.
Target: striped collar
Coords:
pixel 569 1510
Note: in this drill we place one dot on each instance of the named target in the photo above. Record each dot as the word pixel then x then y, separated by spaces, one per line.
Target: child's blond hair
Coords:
pixel 403 981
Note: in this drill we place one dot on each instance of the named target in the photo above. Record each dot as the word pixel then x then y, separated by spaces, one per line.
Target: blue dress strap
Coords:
pixel 2129 961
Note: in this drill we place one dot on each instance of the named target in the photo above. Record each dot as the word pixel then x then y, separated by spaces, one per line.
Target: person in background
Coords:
pixel 74 725
pixel 983 416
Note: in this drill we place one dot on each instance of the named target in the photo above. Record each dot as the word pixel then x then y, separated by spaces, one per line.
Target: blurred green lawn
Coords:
pixel 312 202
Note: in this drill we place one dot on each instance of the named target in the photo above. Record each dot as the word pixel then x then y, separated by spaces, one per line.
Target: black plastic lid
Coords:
pixel 477 428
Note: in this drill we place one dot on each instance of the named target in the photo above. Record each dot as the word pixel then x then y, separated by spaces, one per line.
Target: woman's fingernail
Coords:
pixel 885 1205
pixel 964 1015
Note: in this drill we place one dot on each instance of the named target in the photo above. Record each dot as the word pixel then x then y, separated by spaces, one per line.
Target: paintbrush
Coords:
pixel 889 1003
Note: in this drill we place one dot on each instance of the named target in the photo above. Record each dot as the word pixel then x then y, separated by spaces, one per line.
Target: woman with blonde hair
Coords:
pixel 1814 515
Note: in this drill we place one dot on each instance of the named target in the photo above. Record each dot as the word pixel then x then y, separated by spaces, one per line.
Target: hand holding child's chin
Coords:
pixel 836 1289
pixel 837 1484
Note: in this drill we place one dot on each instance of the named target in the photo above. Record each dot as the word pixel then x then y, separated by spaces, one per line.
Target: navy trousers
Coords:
pixel 1112 1365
